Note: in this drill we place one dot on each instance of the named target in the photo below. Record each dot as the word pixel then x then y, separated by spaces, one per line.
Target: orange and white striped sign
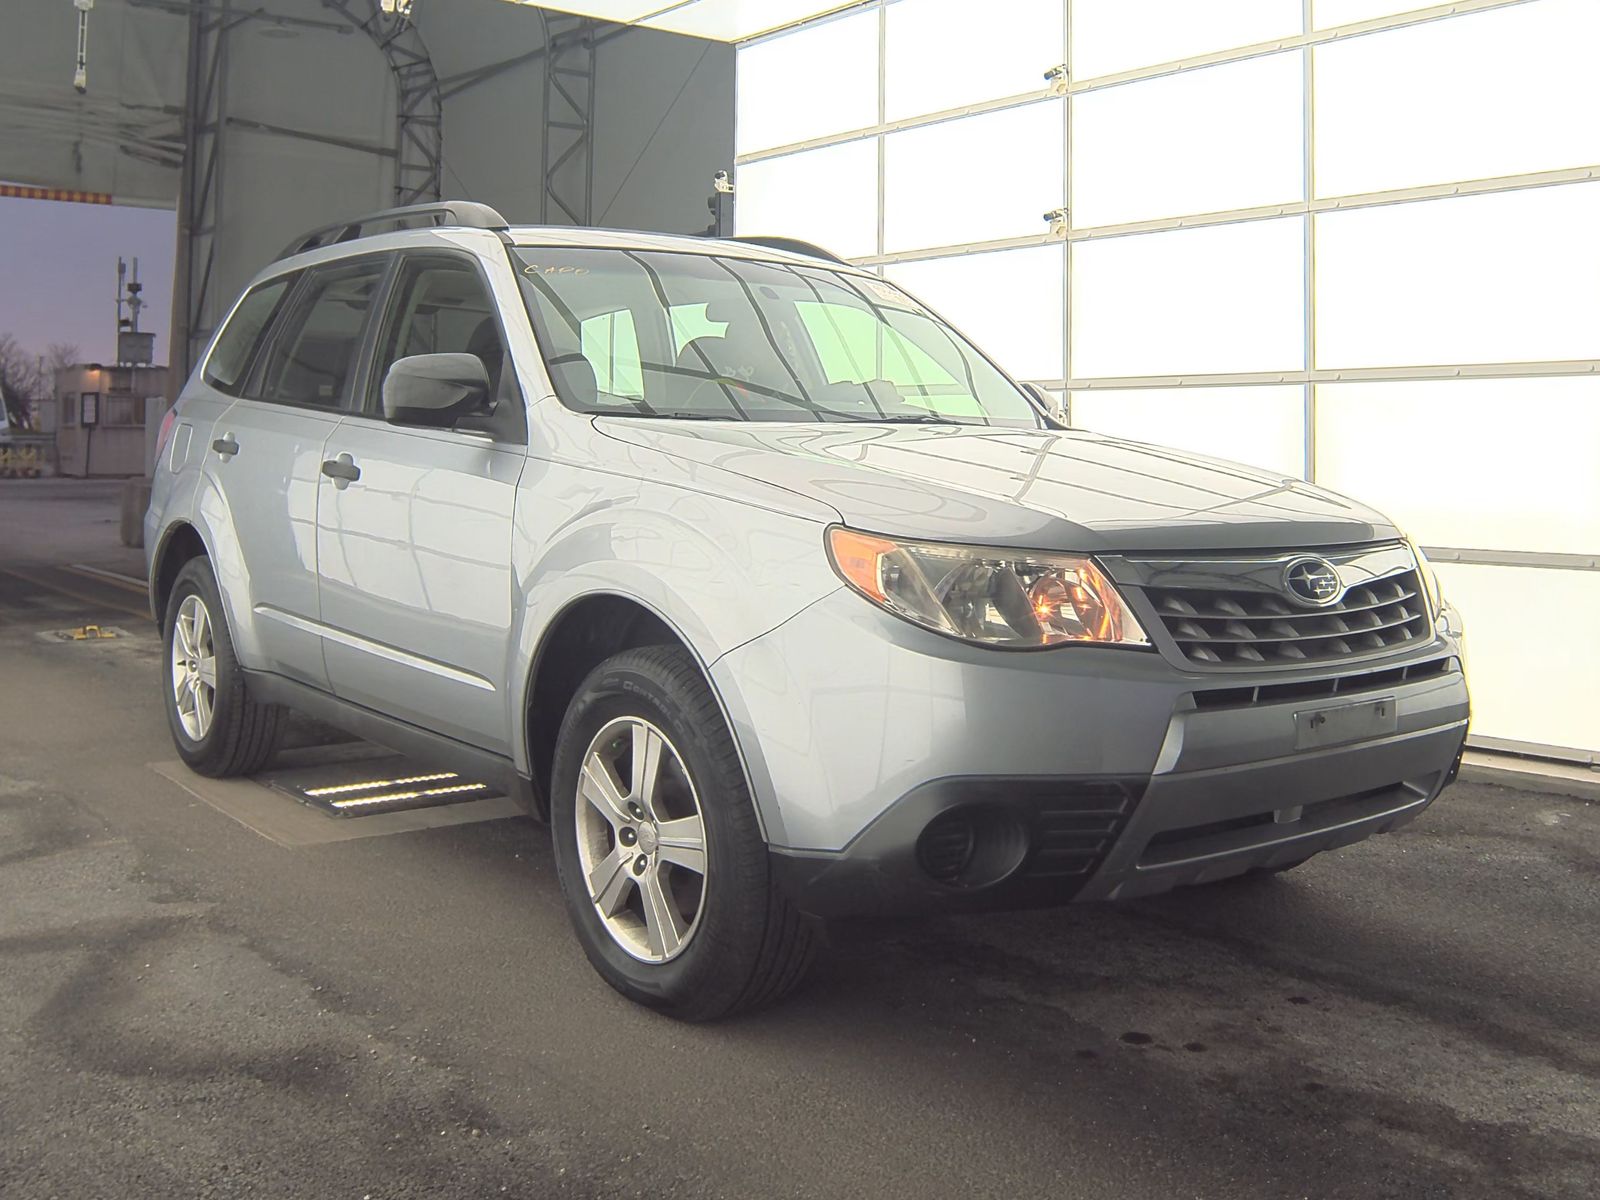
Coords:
pixel 18 191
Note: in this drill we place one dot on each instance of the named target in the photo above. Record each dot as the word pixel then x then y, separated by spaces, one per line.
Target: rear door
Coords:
pixel 414 553
pixel 266 458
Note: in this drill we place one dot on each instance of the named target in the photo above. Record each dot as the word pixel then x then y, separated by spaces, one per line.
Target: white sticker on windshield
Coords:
pixel 536 269
pixel 886 291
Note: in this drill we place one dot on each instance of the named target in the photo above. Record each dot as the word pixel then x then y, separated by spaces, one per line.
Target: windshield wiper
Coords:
pixel 911 419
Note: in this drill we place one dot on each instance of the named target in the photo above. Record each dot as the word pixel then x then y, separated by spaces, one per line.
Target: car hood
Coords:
pixel 1053 490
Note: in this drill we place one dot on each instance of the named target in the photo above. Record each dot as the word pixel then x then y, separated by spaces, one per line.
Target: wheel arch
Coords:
pixel 588 630
pixel 180 543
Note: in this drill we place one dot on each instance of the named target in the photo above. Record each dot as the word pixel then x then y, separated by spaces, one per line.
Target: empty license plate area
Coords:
pixel 1344 723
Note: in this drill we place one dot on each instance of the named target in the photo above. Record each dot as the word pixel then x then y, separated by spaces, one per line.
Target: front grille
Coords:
pixel 1241 627
pixel 1338 685
pixel 1195 842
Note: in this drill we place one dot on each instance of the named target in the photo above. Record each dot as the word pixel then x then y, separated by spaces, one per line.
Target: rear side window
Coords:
pixel 241 337
pixel 312 360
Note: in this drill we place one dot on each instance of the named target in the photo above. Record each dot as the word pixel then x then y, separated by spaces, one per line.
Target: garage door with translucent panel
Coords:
pixel 807 84
pixel 1504 278
pixel 939 58
pixel 1484 95
pixel 1009 304
pixel 1258 426
pixel 1223 299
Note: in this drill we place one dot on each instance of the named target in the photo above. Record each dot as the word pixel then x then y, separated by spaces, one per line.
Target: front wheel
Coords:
pixel 218 728
pixel 661 860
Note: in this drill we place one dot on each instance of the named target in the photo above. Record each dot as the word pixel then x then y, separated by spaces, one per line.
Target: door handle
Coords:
pixel 225 446
pixel 342 470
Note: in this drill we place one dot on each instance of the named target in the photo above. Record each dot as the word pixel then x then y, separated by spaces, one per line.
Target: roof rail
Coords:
pixel 793 246
pixel 465 213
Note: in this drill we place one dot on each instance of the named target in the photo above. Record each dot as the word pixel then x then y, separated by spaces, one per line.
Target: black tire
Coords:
pixel 243 733
pixel 749 947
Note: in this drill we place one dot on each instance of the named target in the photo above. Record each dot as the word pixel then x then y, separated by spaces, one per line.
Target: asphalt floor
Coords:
pixel 193 1005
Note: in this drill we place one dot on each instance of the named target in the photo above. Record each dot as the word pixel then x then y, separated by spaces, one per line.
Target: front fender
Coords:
pixel 719 572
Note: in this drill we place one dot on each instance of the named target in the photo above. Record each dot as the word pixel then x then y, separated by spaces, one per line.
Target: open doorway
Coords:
pixel 83 349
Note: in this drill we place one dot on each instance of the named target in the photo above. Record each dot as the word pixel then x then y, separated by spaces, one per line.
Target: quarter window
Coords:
pixel 237 343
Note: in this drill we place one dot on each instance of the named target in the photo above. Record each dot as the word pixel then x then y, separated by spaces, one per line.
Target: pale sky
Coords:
pixel 58 273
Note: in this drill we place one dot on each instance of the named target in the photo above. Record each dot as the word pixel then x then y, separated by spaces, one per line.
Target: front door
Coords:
pixel 414 550
pixel 266 457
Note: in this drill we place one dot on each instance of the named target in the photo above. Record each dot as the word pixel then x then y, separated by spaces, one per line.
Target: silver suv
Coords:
pixel 769 591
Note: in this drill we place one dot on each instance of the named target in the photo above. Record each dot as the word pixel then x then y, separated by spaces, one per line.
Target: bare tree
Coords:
pixel 25 376
pixel 58 355
pixel 19 374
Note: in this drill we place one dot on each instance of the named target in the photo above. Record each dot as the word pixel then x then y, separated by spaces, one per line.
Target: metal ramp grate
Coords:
pixel 380 783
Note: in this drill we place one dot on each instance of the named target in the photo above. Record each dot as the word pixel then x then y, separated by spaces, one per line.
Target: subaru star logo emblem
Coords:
pixel 1313 581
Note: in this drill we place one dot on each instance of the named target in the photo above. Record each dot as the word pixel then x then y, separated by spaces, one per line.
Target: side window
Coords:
pixel 313 358
pixel 441 306
pixel 239 339
pixel 611 344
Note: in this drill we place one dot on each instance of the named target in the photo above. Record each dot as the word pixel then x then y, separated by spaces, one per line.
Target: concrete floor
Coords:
pixel 188 1008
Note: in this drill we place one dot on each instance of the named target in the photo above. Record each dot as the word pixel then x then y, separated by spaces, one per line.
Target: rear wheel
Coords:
pixel 218 728
pixel 661 861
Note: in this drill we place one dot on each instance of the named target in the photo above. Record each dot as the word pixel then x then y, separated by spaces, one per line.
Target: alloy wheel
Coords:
pixel 194 668
pixel 641 840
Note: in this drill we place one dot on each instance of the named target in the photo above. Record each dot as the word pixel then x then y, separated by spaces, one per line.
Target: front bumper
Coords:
pixel 1089 774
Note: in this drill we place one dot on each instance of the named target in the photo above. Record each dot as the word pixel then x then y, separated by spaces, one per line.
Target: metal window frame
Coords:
pixel 1303 40
pixel 416 151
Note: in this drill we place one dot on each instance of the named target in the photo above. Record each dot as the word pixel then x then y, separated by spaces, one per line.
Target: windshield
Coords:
pixel 635 333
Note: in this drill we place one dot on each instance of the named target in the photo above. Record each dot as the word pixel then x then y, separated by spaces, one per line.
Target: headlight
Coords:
pixel 1430 581
pixel 992 596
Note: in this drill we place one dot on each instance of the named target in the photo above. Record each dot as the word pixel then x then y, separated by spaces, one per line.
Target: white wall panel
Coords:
pixel 818 80
pixel 1532 658
pixel 1202 141
pixel 1487 94
pixel 1008 303
pixel 1259 426
pixel 827 196
pixel 942 54
pixel 1327 13
pixel 1116 35
pixel 730 20
pixel 1226 298
pixel 974 179
pixel 1510 464
pixel 1513 277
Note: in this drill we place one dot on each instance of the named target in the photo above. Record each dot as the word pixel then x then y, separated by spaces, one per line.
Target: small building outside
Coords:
pixel 106 418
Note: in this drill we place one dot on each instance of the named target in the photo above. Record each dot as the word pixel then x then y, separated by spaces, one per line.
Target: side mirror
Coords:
pixel 1055 409
pixel 435 390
